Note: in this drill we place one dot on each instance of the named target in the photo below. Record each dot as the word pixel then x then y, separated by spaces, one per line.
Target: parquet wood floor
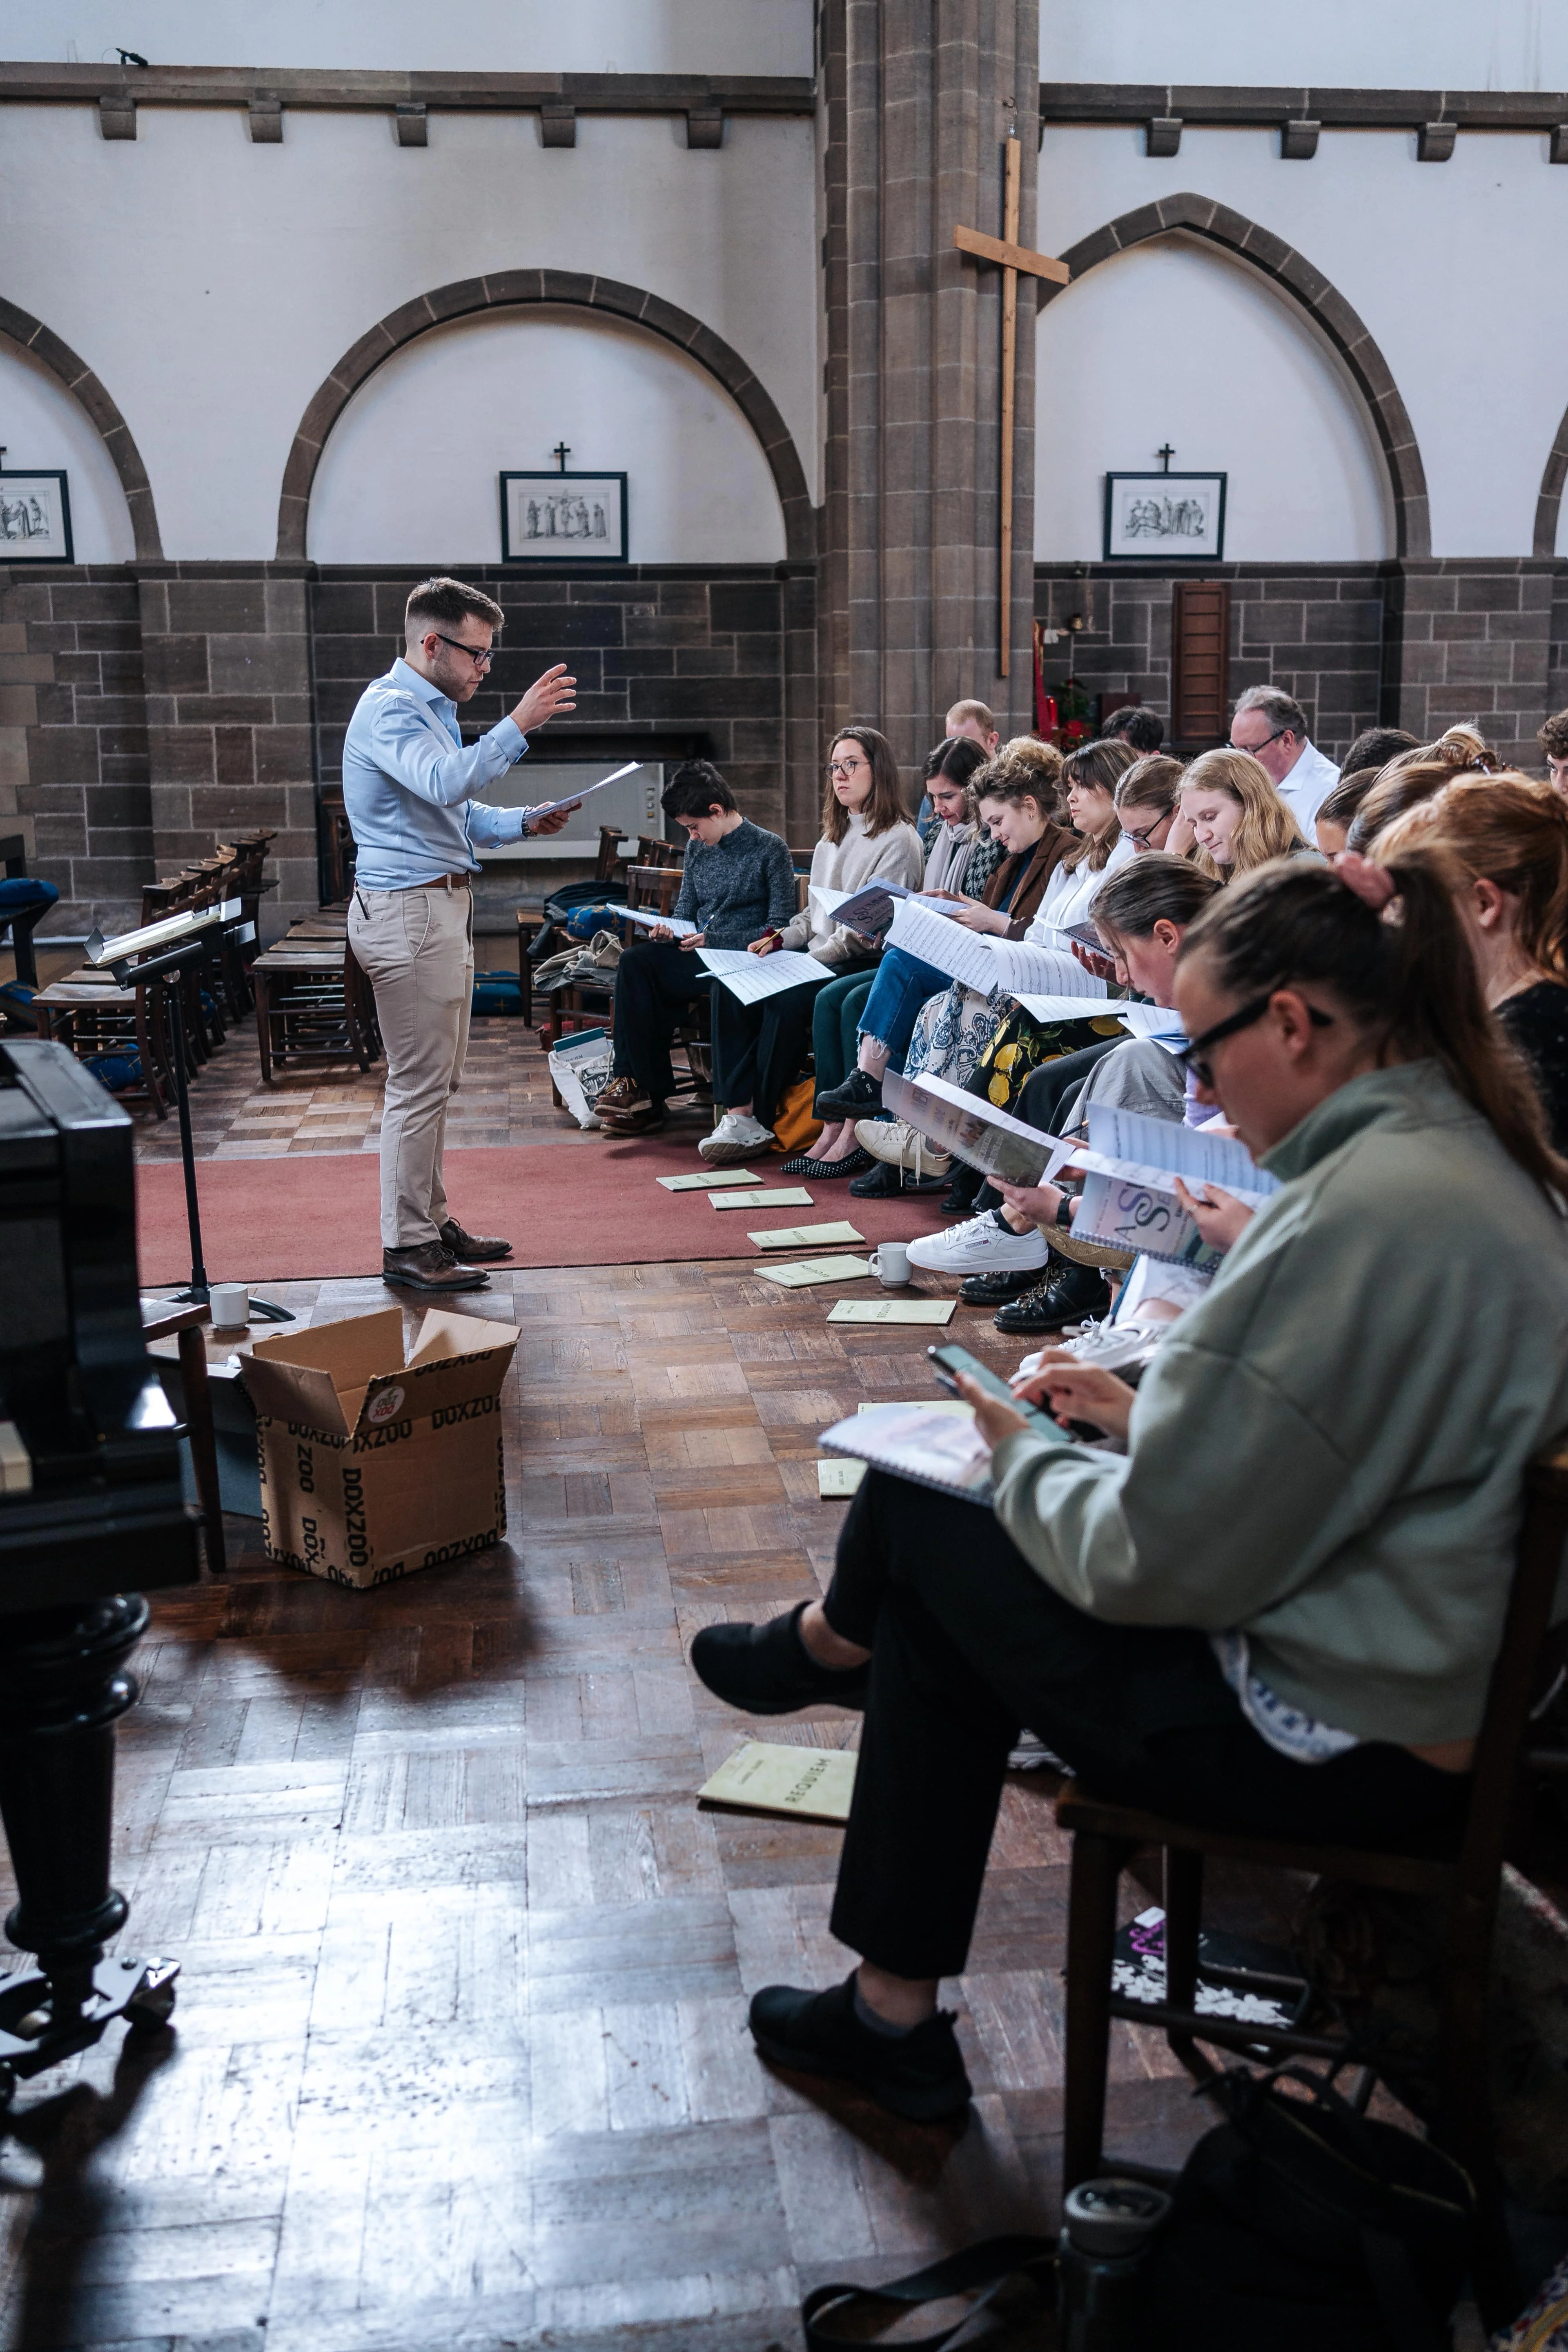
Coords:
pixel 460 2057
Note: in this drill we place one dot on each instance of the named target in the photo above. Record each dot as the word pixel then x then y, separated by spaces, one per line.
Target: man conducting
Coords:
pixel 406 782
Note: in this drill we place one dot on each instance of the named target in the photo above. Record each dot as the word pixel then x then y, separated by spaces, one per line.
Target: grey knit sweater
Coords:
pixel 739 886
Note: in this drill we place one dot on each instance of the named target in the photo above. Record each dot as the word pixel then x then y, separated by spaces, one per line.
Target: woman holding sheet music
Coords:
pixel 1277 1611
pixel 866 837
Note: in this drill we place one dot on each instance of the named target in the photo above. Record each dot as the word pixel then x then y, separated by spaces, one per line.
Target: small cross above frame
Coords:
pixel 560 453
pixel 1011 257
pixel 1164 456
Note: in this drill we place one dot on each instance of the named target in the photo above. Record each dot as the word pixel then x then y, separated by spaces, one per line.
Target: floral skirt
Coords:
pixel 962 1036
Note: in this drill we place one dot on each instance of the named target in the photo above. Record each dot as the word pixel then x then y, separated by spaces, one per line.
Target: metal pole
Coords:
pixel 197 1293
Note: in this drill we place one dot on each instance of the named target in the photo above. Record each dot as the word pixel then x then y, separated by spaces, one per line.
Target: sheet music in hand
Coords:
pixel 575 800
pixel 974 1132
pixel 1044 969
pixel 963 954
pixel 650 919
pixel 752 979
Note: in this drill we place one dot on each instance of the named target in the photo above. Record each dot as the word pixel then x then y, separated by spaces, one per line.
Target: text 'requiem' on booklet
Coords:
pixel 804 1784
pixel 974 1132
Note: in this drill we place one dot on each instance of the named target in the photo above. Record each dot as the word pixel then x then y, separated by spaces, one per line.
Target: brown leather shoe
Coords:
pixel 469 1247
pixel 647 1121
pixel 621 1097
pixel 429 1266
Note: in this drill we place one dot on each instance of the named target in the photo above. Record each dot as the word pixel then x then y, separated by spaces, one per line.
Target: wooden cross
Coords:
pixel 1011 257
pixel 560 453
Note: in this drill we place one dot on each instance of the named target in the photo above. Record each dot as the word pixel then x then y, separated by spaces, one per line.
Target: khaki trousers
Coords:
pixel 417 950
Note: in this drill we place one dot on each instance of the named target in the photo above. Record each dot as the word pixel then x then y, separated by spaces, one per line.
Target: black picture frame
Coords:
pixel 1164 545
pixel 8 549
pixel 520 545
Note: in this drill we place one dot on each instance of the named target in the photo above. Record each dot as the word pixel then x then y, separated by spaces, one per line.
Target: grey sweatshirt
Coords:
pixel 739 886
pixel 1327 1453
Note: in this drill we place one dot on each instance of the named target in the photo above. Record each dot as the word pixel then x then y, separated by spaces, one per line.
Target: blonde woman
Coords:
pixel 1237 816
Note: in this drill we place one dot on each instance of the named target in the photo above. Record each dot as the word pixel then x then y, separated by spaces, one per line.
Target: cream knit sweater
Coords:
pixel 895 856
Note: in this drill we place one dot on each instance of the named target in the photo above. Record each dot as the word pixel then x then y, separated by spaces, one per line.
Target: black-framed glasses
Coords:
pixel 1263 741
pixel 845 767
pixel 1146 835
pixel 480 660
pixel 1194 1055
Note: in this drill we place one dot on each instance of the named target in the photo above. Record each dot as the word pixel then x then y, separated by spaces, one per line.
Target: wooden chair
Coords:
pixel 1465 1878
pixel 314 1004
pixel 656 886
pixel 162 1319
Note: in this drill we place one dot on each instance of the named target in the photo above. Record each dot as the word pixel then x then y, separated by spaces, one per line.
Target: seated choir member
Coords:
pixel 1277 1611
pixel 738 884
pixel 1237 813
pixel 960 858
pixel 866 837
pixel 1142 913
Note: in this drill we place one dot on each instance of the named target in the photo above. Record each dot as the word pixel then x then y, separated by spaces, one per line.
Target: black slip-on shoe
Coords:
pixel 858 1096
pixel 768 1670
pixel 1069 1293
pixel 852 1164
pixel 920 2075
pixel 886 1182
pixel 472 1249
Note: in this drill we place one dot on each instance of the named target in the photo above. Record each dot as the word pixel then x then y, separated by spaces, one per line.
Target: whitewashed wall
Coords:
pixel 1452 266
pixel 1169 342
pixel 1336 44
pixel 757 37
pixel 41 424
pixel 211 283
pixel 409 475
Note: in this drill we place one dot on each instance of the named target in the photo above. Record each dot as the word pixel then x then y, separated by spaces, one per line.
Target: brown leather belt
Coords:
pixel 442 882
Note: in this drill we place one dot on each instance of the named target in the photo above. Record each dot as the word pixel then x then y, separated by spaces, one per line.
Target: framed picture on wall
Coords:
pixel 1164 518
pixel 564 518
pixel 34 516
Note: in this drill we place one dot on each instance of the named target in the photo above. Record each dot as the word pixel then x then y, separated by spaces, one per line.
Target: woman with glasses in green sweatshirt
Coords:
pixel 1277 1611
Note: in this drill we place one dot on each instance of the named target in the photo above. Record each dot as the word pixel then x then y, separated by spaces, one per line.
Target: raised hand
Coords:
pixel 549 696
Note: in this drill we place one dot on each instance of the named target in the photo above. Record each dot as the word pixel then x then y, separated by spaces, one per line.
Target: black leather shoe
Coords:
pixel 886 1182
pixel 768 1670
pixel 920 2074
pixel 961 1191
pixel 1069 1293
pixel 472 1248
pixel 858 1097
pixel 429 1266
pixel 996 1289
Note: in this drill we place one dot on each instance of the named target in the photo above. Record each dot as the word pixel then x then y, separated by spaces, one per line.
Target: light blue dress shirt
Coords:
pixel 408 798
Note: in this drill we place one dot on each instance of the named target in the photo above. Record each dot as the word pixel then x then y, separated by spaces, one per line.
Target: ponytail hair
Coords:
pixel 1405 974
pixel 1153 888
pixel 1511 831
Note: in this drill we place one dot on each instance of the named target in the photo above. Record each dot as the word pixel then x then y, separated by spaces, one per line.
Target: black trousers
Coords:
pixel 1042 1093
pixel 656 982
pixel 968 1645
pixel 759 1049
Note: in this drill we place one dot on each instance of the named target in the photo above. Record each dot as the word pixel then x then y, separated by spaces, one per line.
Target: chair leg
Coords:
pixel 1183 1877
pixel 203 1446
pixel 1096 1867
pixel 261 981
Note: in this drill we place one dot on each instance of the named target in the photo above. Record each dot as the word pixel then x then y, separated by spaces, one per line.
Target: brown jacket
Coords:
pixel 1038 865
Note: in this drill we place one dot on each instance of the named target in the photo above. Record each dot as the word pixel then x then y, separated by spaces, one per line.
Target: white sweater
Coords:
pixel 895 856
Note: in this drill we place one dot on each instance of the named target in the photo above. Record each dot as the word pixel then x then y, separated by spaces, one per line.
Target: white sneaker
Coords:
pixel 898 1145
pixel 737 1136
pixel 1113 1346
pixel 984 1245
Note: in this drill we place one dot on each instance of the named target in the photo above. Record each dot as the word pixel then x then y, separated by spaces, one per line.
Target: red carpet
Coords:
pixel 581 1202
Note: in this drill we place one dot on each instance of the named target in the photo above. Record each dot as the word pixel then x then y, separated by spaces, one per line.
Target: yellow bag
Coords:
pixel 794 1126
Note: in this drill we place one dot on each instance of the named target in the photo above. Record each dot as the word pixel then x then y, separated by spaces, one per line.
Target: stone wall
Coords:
pixel 1415 644
pixel 73 735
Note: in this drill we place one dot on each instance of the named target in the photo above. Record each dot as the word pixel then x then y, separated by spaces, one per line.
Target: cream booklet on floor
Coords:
pixel 805 1236
pixel 706 1177
pixel 786 1196
pixel 892 1310
pixel 808 1270
pixel 810 1784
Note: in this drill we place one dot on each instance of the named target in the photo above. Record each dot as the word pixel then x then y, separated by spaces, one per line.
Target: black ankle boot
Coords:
pixel 768 1670
pixel 1069 1294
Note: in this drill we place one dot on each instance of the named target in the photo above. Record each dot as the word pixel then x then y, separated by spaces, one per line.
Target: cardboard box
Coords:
pixel 372 1466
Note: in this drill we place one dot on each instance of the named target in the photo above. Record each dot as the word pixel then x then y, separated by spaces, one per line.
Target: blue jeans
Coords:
pixel 901 986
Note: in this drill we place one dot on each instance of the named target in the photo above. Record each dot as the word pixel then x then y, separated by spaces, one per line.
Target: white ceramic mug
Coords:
pixel 891 1263
pixel 228 1306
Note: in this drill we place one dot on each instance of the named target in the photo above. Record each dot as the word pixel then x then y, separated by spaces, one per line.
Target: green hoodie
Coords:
pixel 1327 1454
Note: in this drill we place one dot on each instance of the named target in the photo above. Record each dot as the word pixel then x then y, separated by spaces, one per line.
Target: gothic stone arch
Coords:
pixel 80 380
pixel 1201 216
pixel 515 289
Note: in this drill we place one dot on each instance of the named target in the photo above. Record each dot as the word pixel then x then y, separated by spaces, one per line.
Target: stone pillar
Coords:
pixel 920 96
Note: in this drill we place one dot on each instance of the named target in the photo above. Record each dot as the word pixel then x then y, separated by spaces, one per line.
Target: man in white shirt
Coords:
pixel 1272 726
pixel 408 779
